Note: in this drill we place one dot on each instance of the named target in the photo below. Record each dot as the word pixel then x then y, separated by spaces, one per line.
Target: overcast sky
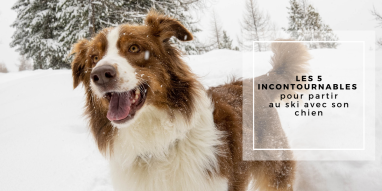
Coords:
pixel 340 15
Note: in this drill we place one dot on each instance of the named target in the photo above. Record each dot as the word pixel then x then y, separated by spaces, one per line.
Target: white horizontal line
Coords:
pixel 309 149
pixel 311 41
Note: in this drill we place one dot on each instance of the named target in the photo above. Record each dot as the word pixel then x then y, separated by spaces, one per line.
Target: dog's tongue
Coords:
pixel 119 107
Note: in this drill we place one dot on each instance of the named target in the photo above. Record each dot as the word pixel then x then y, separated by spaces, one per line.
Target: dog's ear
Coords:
pixel 165 27
pixel 79 62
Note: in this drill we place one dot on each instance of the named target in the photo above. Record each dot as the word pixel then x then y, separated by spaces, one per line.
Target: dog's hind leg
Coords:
pixel 273 175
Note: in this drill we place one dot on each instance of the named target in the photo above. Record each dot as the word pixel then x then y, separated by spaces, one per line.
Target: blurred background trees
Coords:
pixel 47 29
pixel 378 18
pixel 25 64
pixel 3 68
pixel 218 38
pixel 256 26
pixel 305 24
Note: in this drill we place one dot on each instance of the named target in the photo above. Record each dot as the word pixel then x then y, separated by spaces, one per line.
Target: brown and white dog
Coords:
pixel 158 126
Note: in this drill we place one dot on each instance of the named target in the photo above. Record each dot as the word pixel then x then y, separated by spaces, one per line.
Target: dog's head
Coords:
pixel 128 67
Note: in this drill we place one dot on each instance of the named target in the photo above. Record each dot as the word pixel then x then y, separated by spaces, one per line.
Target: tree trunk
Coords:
pixel 255 20
pixel 91 18
pixel 39 58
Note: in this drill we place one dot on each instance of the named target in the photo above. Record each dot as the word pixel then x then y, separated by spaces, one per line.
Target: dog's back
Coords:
pixel 233 115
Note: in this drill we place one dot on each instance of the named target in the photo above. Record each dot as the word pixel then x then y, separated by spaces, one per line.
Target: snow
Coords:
pixel 45 143
pixel 147 55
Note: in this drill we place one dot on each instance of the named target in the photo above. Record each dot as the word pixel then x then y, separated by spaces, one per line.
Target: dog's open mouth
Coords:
pixel 124 105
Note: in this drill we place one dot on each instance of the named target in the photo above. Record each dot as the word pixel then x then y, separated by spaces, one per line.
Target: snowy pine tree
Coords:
pixel 296 21
pixel 256 26
pixel 36 33
pixel 47 29
pixel 305 24
pixel 227 42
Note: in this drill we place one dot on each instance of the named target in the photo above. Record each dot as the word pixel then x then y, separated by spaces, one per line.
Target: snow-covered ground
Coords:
pixel 45 143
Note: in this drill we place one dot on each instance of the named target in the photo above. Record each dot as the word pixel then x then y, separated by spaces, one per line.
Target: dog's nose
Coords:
pixel 102 75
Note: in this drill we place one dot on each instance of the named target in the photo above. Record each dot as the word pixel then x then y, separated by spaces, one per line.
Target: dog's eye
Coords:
pixel 95 59
pixel 134 48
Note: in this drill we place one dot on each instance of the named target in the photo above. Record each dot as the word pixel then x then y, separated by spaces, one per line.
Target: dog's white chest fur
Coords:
pixel 159 153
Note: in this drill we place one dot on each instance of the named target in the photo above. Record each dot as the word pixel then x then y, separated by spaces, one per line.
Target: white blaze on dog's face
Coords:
pixel 124 69
pixel 114 78
pixel 130 66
